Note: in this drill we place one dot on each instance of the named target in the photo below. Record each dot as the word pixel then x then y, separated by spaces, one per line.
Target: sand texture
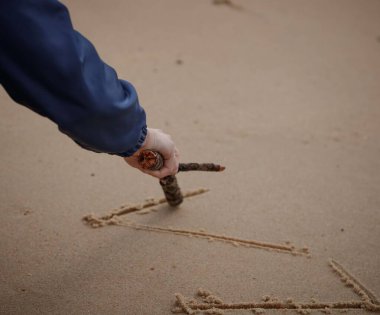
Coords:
pixel 283 93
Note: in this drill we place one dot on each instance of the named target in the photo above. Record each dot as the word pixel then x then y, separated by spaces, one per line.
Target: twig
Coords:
pixel 205 167
pixel 153 160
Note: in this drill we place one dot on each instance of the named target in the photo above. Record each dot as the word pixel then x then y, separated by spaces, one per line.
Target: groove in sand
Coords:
pixel 125 209
pixel 215 237
pixel 371 303
pixel 217 306
pixel 96 222
pixel 114 219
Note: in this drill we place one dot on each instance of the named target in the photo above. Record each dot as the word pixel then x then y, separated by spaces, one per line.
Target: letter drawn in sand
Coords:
pixel 125 209
pixel 215 305
pixel 211 304
pixel 114 219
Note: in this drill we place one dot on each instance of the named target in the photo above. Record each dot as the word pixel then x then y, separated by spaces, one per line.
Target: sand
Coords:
pixel 285 94
pixel 214 304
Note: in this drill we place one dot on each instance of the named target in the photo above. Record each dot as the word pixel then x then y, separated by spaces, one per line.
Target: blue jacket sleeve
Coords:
pixel 52 69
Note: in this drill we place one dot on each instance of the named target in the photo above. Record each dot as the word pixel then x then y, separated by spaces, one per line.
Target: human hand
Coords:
pixel 157 140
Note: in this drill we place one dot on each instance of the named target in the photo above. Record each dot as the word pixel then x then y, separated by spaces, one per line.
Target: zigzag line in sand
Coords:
pixel 214 305
pixel 290 249
pixel 113 219
pixel 125 209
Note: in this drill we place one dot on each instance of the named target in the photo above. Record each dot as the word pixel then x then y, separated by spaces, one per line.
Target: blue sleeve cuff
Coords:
pixel 140 142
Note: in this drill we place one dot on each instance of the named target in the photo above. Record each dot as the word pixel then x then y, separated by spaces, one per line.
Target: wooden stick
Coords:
pixel 153 160
pixel 205 167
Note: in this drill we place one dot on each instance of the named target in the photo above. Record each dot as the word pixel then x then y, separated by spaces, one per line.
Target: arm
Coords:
pixel 52 69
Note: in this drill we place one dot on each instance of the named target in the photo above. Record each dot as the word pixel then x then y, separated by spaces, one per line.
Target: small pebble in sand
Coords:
pixel 212 299
pixel 266 298
pixel 92 174
pixel 342 229
pixel 258 311
pixel 151 268
pixel 27 211
pixel 179 62
pixel 203 293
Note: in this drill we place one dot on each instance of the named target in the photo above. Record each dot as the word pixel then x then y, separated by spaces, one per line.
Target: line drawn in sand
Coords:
pixel 127 208
pixel 113 218
pixel 211 304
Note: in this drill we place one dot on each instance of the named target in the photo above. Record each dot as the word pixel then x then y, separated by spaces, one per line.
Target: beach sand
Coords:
pixel 285 94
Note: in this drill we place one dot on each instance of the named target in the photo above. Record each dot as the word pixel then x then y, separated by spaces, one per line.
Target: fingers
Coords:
pixel 161 142
pixel 170 166
pixel 159 174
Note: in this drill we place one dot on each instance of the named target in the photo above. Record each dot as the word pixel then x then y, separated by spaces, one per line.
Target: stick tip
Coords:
pixel 222 168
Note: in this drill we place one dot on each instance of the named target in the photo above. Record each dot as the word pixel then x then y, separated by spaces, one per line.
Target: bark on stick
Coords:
pixel 154 161
pixel 205 167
